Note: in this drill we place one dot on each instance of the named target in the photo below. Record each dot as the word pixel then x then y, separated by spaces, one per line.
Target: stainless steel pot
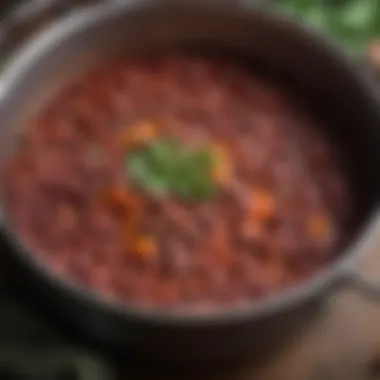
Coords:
pixel 334 86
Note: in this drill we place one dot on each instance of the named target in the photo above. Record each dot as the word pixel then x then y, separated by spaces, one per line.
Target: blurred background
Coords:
pixel 354 24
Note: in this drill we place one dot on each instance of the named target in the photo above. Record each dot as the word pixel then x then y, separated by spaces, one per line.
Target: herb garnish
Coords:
pixel 165 167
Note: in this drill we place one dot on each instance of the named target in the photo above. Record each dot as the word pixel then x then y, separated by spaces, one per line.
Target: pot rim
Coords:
pixel 65 29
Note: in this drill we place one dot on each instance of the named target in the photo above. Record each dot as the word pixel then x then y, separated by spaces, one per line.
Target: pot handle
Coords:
pixel 368 288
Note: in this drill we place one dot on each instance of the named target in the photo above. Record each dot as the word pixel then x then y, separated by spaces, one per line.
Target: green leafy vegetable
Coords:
pixel 165 167
pixel 352 23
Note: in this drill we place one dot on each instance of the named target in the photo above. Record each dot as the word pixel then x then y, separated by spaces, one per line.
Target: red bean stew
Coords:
pixel 178 182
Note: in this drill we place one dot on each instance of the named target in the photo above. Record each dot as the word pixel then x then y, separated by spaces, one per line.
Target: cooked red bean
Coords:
pixel 277 219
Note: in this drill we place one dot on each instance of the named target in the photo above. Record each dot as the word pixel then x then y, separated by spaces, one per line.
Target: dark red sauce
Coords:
pixel 277 218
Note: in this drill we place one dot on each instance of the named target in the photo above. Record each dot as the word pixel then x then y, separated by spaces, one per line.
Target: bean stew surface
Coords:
pixel 178 181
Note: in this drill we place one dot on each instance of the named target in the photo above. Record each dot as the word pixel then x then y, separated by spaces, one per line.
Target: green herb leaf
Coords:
pixel 165 167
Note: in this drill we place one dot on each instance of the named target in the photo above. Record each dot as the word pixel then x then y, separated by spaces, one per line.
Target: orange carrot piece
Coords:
pixel 319 226
pixel 145 247
pixel 223 168
pixel 263 205
pixel 140 133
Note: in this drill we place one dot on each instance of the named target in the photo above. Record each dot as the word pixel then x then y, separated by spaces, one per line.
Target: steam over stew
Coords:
pixel 178 181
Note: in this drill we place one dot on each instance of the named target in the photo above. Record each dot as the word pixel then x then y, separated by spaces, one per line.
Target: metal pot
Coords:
pixel 336 89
